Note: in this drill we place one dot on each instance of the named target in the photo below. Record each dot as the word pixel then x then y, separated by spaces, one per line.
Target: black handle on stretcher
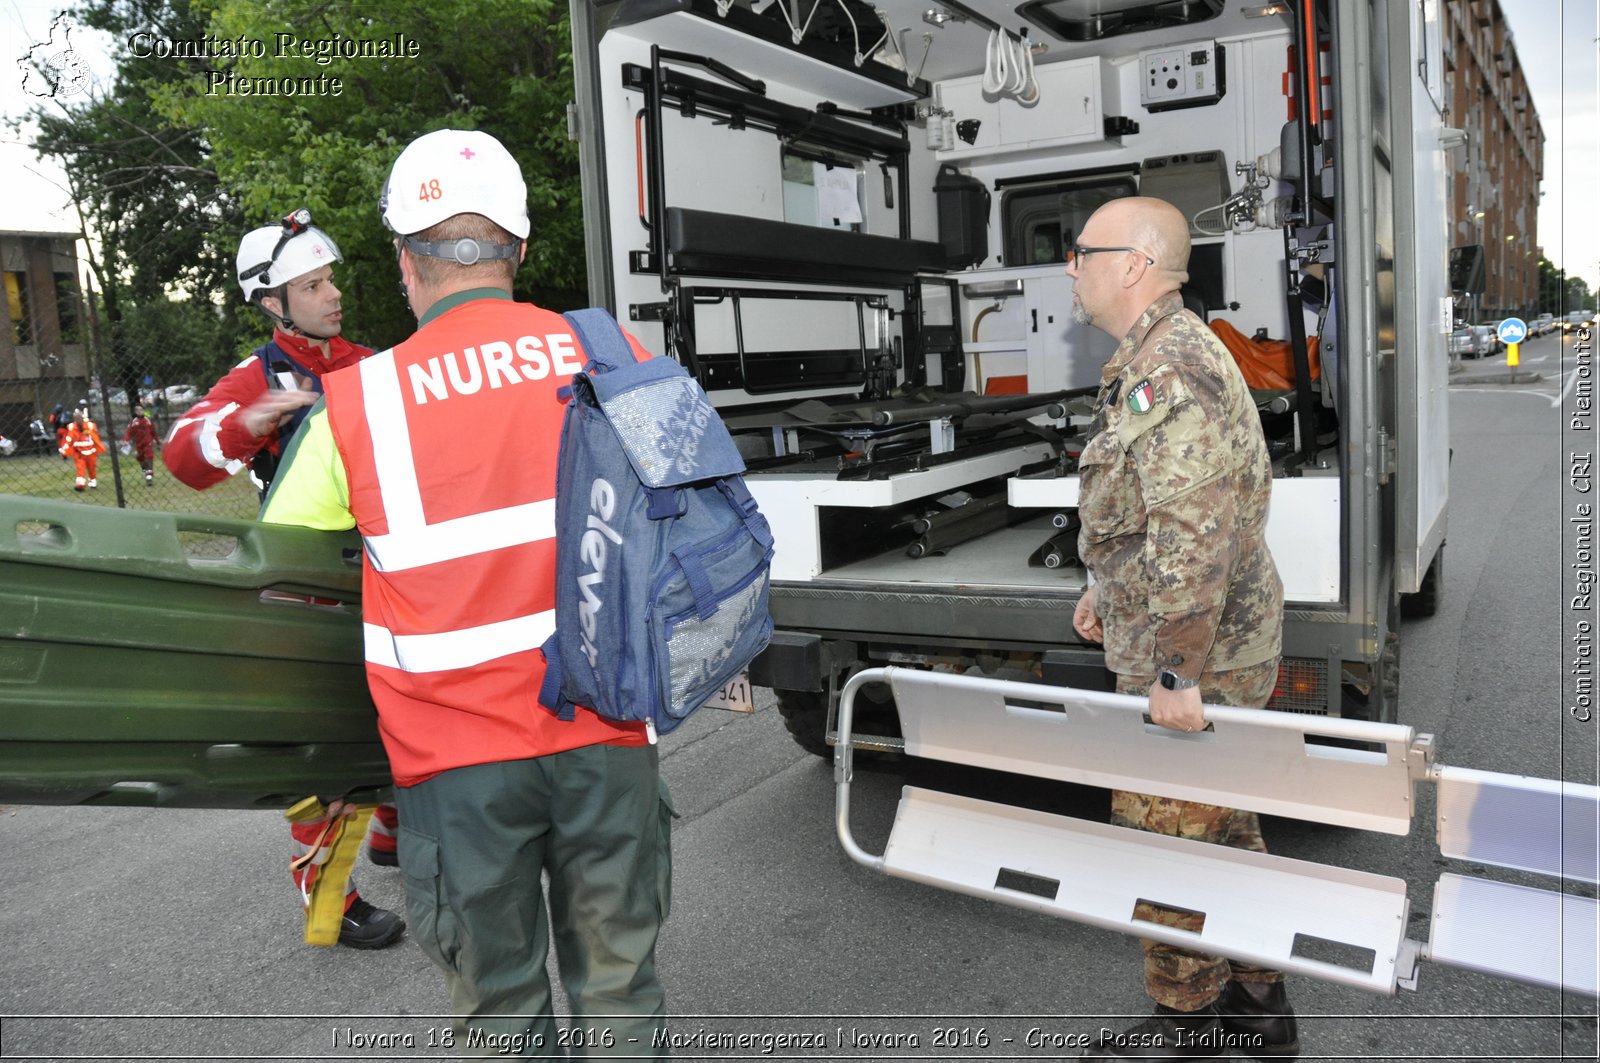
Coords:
pixel 977 404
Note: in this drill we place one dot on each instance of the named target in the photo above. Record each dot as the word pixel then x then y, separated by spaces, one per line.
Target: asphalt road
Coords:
pixel 174 934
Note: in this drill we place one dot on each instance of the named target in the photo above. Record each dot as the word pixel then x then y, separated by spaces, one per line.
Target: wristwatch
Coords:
pixel 1174 681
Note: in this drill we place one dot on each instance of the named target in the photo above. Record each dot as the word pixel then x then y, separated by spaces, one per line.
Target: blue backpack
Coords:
pixel 661 555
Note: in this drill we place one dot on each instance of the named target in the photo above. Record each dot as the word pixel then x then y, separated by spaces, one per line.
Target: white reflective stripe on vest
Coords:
pixel 411 541
pixel 449 650
pixel 481 532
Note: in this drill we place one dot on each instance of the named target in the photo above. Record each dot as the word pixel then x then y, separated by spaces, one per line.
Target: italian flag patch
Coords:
pixel 1142 397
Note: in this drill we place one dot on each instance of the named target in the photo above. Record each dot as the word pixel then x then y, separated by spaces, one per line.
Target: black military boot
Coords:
pixel 1168 1034
pixel 1258 1019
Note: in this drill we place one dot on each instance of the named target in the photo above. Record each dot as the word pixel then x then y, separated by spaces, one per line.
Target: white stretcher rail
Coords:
pixel 1328 922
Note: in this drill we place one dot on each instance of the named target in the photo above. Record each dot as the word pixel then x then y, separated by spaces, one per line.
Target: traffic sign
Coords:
pixel 1513 330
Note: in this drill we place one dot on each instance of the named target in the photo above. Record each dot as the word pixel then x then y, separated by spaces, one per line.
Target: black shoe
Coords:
pixel 1168 1034
pixel 367 926
pixel 1260 1020
pixel 383 858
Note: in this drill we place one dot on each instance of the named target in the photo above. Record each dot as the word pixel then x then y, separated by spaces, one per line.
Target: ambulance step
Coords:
pixel 1335 924
pixel 1511 931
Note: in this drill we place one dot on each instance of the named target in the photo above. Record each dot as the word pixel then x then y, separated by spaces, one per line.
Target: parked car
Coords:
pixel 1473 341
pixel 172 395
pixel 1542 324
pixel 1484 341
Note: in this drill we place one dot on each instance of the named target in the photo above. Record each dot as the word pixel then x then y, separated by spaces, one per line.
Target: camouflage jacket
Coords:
pixel 1174 486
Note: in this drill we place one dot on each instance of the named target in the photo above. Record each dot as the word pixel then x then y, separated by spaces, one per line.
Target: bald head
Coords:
pixel 1154 226
pixel 1136 250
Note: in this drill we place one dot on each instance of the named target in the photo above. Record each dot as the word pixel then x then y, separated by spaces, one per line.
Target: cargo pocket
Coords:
pixel 665 814
pixel 432 923
pixel 1109 500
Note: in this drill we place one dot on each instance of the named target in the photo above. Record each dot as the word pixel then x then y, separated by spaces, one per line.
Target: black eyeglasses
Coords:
pixel 1077 251
pixel 294 223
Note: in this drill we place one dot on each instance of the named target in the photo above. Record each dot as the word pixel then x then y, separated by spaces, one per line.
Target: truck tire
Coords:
pixel 1425 602
pixel 805 717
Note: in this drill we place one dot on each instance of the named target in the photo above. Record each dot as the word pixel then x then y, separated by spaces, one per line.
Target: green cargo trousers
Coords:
pixel 473 844
pixel 1175 977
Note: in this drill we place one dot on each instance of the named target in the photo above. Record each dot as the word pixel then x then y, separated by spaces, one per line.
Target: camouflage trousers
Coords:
pixel 1179 978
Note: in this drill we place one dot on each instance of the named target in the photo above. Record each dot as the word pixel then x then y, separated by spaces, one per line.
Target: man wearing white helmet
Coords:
pixel 245 421
pixel 458 594
pixel 286 271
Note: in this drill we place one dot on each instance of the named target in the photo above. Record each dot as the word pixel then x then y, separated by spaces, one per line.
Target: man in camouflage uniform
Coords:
pixel 1174 486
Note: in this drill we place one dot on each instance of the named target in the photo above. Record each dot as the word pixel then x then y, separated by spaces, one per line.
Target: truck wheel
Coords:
pixel 1425 602
pixel 805 716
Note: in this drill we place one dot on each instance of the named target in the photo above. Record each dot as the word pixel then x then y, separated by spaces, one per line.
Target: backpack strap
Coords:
pixel 694 574
pixel 276 361
pixel 743 503
pixel 550 690
pixel 604 345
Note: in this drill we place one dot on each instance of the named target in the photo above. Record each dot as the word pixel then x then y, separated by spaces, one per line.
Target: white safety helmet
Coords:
pixel 275 254
pixel 455 171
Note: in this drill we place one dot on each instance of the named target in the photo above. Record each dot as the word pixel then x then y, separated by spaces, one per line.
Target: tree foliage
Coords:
pixel 498 65
pixel 159 223
pixel 175 161
pixel 1559 293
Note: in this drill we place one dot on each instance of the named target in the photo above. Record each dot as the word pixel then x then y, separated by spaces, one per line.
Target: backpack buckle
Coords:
pixel 664 503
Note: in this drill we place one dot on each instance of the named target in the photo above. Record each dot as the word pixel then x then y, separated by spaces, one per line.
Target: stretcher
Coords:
pixel 166 659
pixel 1342 925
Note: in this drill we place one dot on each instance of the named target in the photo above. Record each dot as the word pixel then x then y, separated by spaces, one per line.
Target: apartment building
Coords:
pixel 44 341
pixel 1495 186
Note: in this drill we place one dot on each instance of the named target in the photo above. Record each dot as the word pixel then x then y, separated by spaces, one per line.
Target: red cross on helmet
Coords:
pixel 455 171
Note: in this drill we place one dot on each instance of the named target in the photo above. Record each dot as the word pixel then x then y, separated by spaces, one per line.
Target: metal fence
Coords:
pixel 60 356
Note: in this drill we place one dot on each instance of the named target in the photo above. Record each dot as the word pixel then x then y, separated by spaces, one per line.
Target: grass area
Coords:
pixel 49 476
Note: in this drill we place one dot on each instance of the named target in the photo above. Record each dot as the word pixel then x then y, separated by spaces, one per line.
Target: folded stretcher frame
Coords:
pixel 1328 922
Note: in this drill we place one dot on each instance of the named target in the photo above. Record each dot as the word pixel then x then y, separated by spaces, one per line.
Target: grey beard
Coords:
pixel 1080 315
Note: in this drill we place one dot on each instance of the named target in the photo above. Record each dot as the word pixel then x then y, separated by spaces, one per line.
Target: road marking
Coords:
pixel 1572 378
pixel 1467 390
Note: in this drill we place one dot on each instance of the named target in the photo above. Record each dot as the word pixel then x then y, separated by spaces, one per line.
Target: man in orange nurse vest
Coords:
pixel 458 594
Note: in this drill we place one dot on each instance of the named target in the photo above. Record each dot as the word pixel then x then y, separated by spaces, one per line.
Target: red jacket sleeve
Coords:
pixel 208 443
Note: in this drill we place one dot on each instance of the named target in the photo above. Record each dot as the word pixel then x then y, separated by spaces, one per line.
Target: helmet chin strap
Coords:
pixel 287 324
pixel 290 327
pixel 284 321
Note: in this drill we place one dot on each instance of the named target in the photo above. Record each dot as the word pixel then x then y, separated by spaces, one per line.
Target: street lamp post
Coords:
pixel 1475 216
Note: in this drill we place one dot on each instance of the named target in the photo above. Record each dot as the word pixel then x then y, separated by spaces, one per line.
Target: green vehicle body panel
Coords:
pixel 174 660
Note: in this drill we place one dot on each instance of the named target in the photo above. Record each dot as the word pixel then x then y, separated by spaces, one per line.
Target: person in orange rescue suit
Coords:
pixel 458 595
pixel 1174 483
pixel 286 271
pixel 82 444
pixel 142 434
